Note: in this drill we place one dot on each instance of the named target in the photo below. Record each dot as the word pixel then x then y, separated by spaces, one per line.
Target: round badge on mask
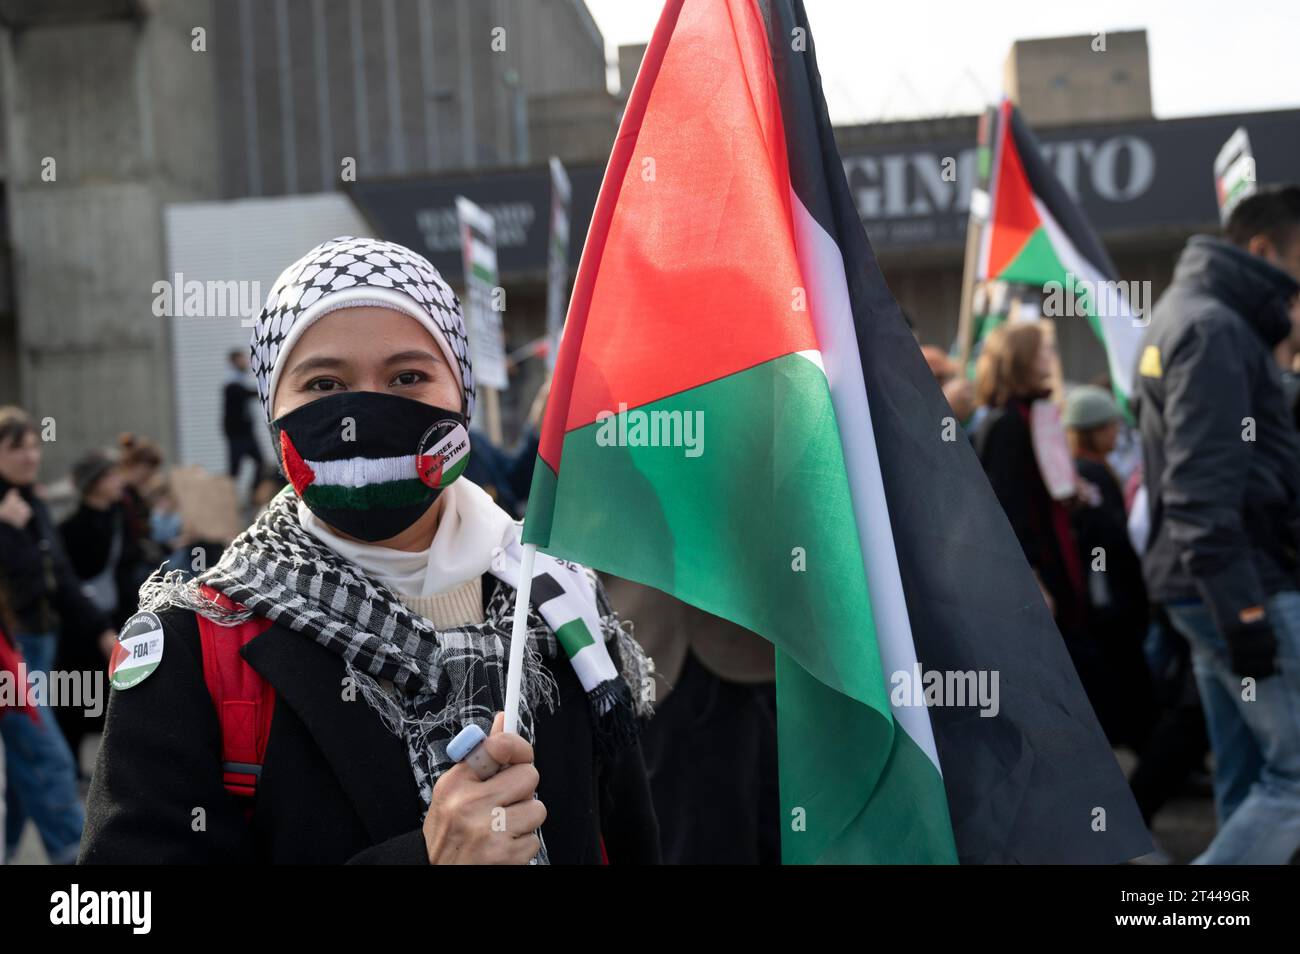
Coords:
pixel 443 454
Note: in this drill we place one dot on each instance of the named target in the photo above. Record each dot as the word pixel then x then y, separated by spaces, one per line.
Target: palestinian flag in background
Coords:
pixel 778 461
pixel 1036 234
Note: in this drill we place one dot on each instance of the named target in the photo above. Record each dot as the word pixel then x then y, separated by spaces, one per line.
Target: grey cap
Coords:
pixel 1089 406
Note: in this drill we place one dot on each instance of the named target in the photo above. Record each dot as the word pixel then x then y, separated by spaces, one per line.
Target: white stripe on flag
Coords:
pixel 592 663
pixel 822 266
pixel 362 471
pixel 1121 332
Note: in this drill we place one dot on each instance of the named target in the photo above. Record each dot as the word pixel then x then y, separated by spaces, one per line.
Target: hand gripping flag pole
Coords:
pixel 467 745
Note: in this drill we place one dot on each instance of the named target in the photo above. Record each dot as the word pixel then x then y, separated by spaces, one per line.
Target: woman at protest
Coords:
pixel 141 463
pixel 94 537
pixel 46 598
pixel 374 599
pixel 1014 371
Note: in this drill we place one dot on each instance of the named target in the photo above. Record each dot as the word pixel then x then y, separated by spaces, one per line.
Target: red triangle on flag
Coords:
pixel 1014 217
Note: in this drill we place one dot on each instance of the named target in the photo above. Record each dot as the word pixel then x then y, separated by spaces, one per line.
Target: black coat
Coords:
pixel 43 589
pixel 336 786
pixel 1121 694
pixel 1123 609
pixel 1006 449
pixel 236 421
pixel 1224 508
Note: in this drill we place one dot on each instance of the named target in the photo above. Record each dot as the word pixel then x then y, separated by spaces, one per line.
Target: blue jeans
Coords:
pixel 1256 742
pixel 42 775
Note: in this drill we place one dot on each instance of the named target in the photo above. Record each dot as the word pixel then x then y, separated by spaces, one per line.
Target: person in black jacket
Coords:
pixel 382 588
pixel 1222 472
pixel 94 534
pixel 94 538
pixel 236 421
pixel 1117 599
pixel 45 596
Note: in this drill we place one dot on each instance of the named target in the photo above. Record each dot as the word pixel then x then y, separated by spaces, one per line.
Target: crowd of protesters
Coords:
pixel 66 587
pixel 1170 562
pixel 1172 572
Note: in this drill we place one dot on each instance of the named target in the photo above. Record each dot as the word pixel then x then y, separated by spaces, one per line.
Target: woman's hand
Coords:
pixel 14 510
pixel 488 823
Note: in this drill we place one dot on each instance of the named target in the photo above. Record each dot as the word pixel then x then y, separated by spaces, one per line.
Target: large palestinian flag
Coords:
pixel 1037 235
pixel 740 417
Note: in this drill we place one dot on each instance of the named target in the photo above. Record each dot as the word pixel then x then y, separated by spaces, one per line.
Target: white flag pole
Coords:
pixel 518 636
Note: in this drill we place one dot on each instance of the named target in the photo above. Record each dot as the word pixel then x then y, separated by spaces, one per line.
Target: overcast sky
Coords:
pixel 891 59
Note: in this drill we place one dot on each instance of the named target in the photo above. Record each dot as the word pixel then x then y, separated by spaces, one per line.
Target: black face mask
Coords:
pixel 370 464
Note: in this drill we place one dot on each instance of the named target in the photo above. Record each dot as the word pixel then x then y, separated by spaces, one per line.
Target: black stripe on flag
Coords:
pixel 1051 192
pixel 545 589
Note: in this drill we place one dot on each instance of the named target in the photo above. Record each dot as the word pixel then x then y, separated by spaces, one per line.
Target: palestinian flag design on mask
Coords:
pixel 343 481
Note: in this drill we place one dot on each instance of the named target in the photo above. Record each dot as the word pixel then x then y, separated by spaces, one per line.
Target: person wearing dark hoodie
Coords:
pixel 1221 461
pixel 46 598
pixel 376 596
pixel 237 393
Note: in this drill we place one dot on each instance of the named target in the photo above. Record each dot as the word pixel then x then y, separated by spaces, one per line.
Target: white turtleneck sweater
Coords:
pixel 443 583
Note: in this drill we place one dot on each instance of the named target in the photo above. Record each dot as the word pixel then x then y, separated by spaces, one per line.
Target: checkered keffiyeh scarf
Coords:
pixel 352 266
pixel 426 685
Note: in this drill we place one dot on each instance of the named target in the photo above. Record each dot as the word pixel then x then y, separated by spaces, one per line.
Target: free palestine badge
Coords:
pixel 138 651
pixel 442 454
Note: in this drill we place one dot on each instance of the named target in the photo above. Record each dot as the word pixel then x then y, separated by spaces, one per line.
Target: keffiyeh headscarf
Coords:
pixel 349 272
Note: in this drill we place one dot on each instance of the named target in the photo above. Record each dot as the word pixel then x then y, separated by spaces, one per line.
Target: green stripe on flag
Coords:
pixel 395 493
pixel 759 528
pixel 1035 263
pixel 574 636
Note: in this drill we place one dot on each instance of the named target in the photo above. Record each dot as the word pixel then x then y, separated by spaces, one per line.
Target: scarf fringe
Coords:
pixel 636 668
pixel 176 590
pixel 273 565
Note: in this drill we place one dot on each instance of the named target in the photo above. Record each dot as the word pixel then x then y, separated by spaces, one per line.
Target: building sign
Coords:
pixel 1127 177
pixel 421 213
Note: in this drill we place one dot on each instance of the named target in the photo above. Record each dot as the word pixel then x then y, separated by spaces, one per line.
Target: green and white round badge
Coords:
pixel 138 652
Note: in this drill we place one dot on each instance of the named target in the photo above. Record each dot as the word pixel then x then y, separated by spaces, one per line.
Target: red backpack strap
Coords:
pixel 243 699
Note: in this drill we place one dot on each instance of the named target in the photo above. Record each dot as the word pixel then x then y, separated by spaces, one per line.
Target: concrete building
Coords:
pixel 116 109
pixel 1068 80
pixel 107 119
